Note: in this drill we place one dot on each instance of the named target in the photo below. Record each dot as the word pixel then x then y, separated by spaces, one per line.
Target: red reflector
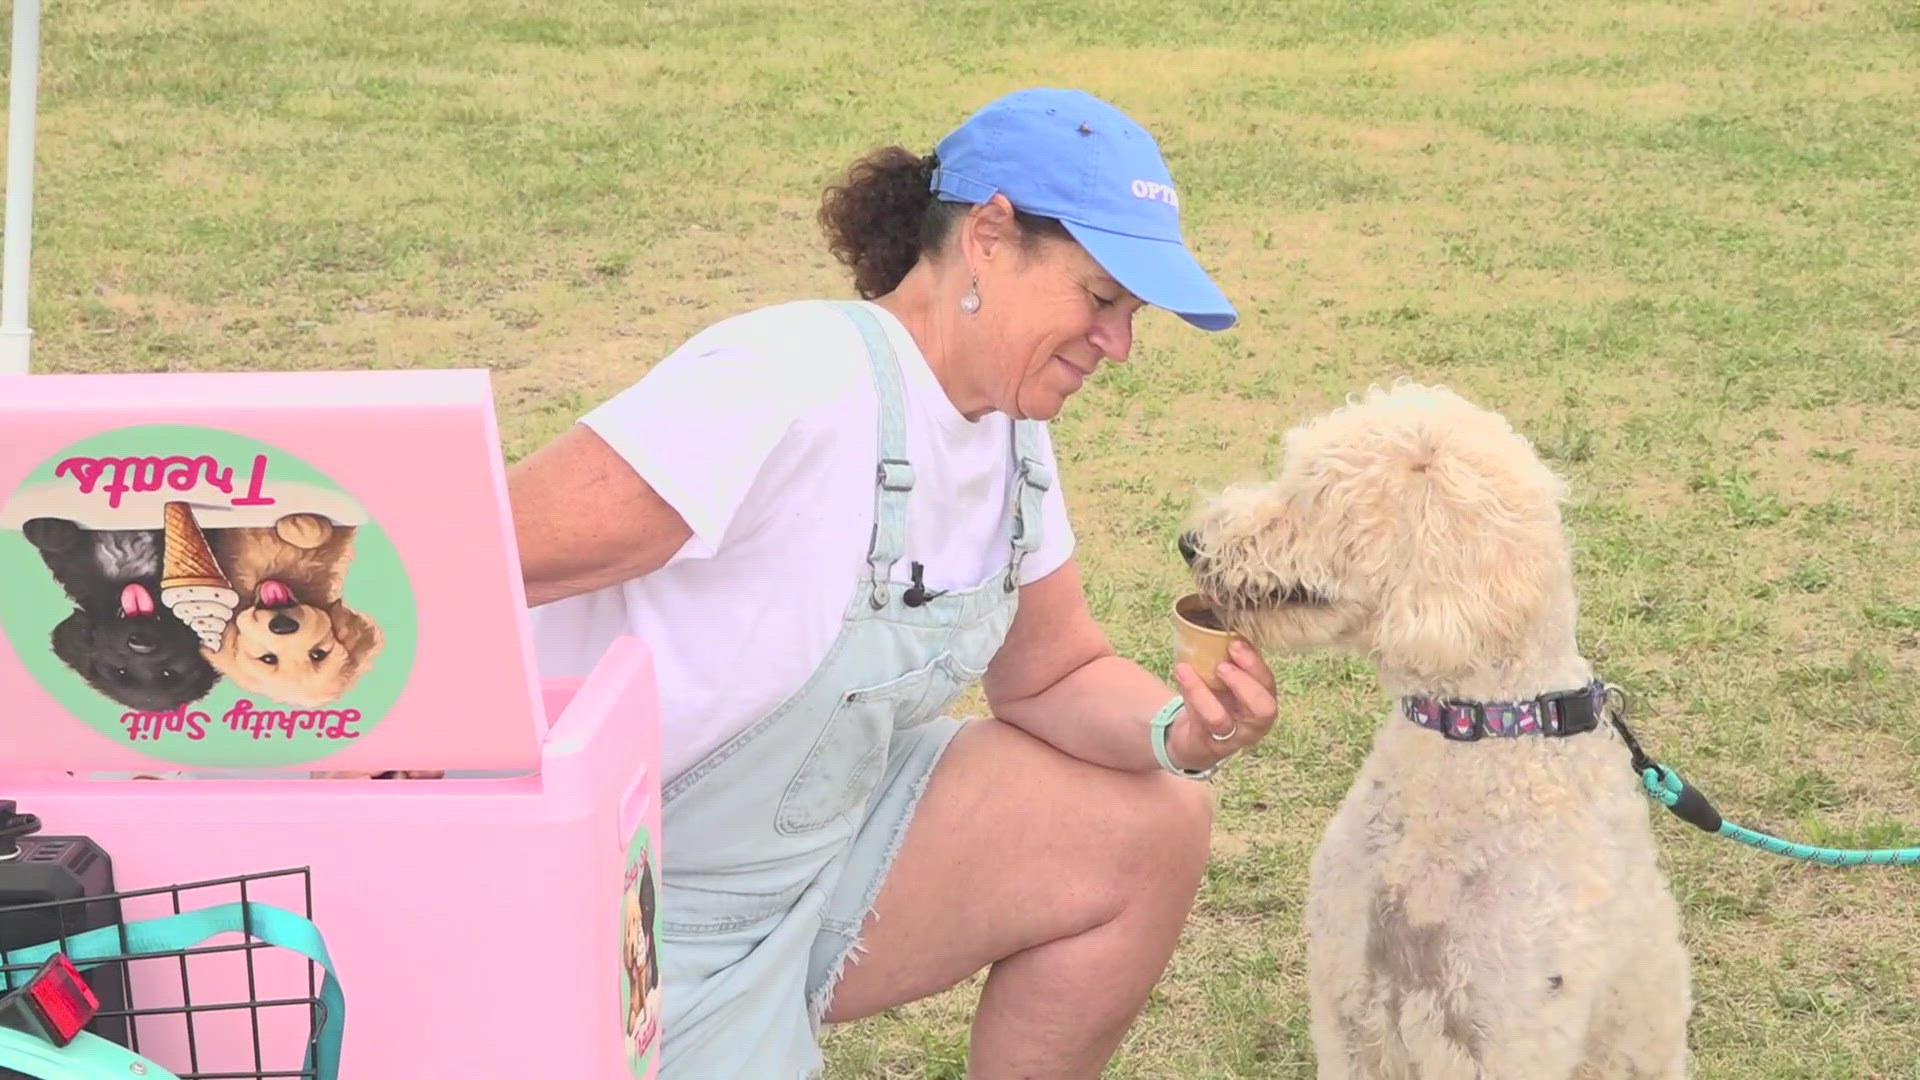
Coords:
pixel 63 998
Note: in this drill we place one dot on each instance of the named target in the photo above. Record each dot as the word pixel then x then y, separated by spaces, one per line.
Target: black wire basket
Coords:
pixel 223 1010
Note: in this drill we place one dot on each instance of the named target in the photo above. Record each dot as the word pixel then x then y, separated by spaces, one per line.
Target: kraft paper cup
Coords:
pixel 1199 640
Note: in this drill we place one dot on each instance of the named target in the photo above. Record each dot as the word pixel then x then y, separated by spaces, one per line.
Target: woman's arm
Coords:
pixel 585 520
pixel 1059 679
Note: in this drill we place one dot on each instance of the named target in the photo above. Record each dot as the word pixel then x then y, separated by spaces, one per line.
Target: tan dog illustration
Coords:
pixel 632 958
pixel 638 961
pixel 293 638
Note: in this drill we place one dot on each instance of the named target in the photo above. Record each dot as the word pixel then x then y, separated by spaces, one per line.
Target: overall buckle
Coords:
pixel 895 474
pixel 1035 475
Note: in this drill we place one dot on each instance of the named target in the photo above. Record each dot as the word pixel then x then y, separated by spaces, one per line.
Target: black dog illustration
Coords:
pixel 119 639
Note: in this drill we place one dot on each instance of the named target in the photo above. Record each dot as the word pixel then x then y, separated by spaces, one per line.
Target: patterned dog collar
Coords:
pixel 1562 713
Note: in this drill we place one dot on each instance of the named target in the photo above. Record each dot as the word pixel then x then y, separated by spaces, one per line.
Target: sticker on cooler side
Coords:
pixel 205 598
pixel 639 955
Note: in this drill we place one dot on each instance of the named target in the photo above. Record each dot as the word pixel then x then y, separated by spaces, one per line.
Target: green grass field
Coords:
pixel 1677 241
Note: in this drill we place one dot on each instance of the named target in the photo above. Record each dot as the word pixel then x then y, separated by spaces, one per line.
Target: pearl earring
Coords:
pixel 970 303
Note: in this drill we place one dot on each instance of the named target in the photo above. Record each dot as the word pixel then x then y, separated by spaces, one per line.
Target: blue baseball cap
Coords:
pixel 1068 155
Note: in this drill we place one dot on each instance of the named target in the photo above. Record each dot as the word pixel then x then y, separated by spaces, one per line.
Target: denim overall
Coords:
pixel 777 843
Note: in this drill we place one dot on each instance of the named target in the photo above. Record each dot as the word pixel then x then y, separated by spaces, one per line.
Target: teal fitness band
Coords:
pixel 1161 720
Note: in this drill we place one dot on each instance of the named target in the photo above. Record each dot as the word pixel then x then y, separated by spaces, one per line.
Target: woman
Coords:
pixel 827 520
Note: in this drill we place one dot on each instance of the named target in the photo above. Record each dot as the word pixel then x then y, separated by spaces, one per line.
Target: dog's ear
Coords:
pixel 359 634
pixel 1482 553
pixel 52 534
pixel 72 641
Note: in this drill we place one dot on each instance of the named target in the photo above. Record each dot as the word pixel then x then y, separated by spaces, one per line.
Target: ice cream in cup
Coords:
pixel 1199 638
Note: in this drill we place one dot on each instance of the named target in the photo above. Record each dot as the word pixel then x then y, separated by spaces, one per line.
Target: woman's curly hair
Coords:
pixel 883 217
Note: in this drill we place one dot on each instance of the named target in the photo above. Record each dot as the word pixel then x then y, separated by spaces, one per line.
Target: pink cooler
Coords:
pixel 219 585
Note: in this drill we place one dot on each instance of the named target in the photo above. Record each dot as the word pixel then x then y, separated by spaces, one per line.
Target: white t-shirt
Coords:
pixel 763 432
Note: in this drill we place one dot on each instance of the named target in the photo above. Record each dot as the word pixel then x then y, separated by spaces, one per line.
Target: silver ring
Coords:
pixel 1235 730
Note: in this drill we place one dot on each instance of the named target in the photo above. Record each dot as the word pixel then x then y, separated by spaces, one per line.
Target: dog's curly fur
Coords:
pixel 1486 910
pixel 307 652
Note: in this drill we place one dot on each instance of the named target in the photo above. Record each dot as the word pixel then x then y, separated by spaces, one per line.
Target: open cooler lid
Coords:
pixel 260 571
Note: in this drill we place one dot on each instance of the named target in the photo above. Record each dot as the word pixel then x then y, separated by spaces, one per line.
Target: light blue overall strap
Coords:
pixel 894 477
pixel 1031 479
pixel 172 933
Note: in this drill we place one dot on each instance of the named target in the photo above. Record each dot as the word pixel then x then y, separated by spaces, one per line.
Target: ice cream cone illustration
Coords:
pixel 191 583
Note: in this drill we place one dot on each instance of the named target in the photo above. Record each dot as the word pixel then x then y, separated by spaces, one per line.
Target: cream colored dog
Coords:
pixel 1480 910
pixel 294 638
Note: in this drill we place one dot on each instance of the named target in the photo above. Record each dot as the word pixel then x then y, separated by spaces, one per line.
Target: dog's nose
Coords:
pixel 282 624
pixel 139 642
pixel 1187 546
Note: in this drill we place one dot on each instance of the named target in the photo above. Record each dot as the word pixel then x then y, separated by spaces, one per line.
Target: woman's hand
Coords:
pixel 1214 727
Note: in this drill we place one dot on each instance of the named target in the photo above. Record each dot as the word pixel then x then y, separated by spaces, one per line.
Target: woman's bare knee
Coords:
pixel 1015 846
pixel 1162 845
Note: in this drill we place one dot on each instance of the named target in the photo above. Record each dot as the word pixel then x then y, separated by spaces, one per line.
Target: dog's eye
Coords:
pixel 316 655
pixel 168 674
pixel 269 659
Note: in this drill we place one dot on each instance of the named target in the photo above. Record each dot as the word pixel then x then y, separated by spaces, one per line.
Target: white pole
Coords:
pixel 16 339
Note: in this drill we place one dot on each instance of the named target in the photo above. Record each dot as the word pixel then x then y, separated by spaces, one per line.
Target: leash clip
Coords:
pixel 1616 714
pixel 1669 788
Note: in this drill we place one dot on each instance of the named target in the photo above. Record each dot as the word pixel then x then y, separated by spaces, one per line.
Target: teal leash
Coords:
pixel 1671 791
pixel 1687 803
